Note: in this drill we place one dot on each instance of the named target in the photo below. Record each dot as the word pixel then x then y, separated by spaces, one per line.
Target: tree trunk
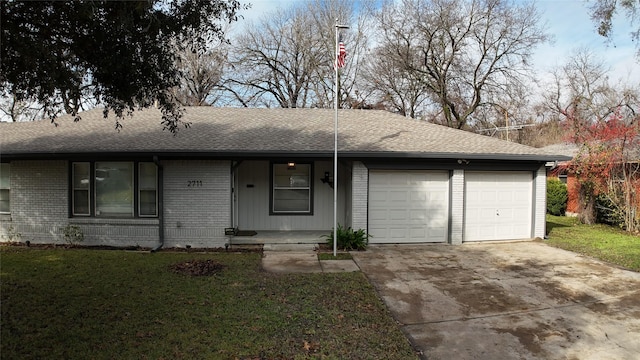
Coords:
pixel 587 202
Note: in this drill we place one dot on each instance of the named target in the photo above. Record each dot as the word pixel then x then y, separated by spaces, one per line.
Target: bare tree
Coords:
pixel 278 59
pixel 398 91
pixel 14 109
pixel 201 76
pixel 286 60
pixel 582 91
pixel 461 51
pixel 602 119
pixel 506 114
pixel 354 89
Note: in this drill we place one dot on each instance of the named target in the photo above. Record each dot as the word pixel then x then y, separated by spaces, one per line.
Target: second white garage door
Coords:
pixel 408 206
pixel 497 205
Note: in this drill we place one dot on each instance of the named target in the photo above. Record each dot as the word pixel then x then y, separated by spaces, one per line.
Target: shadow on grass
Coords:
pixel 559 222
pixel 552 225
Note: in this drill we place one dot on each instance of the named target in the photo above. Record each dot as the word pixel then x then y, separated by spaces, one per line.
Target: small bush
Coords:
pixel 349 239
pixel 73 235
pixel 556 197
pixel 608 213
pixel 13 235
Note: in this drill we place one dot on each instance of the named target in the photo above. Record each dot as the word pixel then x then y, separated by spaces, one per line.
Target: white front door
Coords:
pixel 408 206
pixel 498 205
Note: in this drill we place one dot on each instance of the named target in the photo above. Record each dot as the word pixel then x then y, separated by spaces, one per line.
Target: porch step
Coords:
pixel 249 241
pixel 290 247
pixel 281 237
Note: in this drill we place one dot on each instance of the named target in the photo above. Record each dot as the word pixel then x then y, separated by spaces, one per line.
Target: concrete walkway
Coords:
pixel 301 259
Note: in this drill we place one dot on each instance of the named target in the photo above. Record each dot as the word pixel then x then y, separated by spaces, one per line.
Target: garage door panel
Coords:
pixel 378 232
pixel 418 196
pixel 416 233
pixel 397 214
pixel 397 196
pixel 378 197
pixel 408 206
pixel 498 205
pixel 439 197
pixel 506 195
pixel 437 232
pixel 482 232
pixel 376 215
pixel 420 216
pixel 489 196
pixel 523 197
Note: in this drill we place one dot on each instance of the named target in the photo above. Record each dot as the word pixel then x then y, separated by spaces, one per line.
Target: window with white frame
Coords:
pixel 147 189
pixel 114 189
pixel 291 189
pixel 81 174
pixel 5 174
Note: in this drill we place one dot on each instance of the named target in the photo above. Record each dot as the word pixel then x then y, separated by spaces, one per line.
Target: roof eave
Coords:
pixel 234 154
pixel 456 156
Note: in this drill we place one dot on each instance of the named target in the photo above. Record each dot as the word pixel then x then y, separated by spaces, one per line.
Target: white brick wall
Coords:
pixel 540 203
pixel 197 202
pixel 457 207
pixel 118 232
pixel 39 210
pixel 38 196
pixel 39 207
pixel 359 196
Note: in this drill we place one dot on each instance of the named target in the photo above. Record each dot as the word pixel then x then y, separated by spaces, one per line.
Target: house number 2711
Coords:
pixel 194 183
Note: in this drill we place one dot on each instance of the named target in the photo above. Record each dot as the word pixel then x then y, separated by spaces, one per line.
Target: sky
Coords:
pixel 570 24
pixel 567 21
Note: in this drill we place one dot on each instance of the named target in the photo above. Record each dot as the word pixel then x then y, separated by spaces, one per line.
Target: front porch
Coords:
pixel 281 237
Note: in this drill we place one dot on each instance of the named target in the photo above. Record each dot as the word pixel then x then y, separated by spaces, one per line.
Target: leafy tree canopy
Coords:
pixel 120 54
pixel 604 11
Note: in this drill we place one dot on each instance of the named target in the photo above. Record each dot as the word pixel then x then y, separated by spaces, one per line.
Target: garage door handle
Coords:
pixel 497 212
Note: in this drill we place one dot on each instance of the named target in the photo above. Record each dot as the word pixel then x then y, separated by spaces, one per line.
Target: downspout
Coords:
pixel 234 195
pixel 160 205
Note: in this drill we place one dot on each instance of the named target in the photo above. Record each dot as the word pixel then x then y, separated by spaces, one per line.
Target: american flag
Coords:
pixel 341 56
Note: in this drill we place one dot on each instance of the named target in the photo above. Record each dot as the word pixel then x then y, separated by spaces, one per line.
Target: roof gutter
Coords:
pixel 289 154
pixel 160 205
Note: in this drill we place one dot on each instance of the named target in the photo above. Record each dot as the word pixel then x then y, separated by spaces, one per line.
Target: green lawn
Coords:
pixel 98 304
pixel 600 241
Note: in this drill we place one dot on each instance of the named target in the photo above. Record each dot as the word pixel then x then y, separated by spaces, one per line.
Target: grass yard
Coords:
pixel 599 241
pixel 98 304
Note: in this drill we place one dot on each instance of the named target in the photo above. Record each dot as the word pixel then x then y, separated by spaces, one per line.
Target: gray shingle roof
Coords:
pixel 567 149
pixel 246 131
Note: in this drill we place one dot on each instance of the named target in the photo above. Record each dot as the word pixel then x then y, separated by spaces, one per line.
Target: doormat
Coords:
pixel 245 233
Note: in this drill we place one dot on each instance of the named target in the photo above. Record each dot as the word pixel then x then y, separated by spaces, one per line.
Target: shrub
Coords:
pixel 556 197
pixel 73 235
pixel 608 213
pixel 348 239
pixel 13 235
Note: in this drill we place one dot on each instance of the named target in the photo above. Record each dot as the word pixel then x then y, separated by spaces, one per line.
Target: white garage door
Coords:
pixel 408 206
pixel 497 205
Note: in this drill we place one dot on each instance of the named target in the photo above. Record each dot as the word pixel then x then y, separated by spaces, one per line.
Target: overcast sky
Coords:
pixel 569 23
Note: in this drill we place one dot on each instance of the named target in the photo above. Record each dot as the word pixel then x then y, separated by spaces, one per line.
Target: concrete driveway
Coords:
pixel 517 300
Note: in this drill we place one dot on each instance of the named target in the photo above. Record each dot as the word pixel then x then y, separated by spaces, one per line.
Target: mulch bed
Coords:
pixel 202 267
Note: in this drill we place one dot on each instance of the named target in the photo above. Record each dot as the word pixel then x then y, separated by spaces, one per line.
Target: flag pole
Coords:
pixel 335 141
